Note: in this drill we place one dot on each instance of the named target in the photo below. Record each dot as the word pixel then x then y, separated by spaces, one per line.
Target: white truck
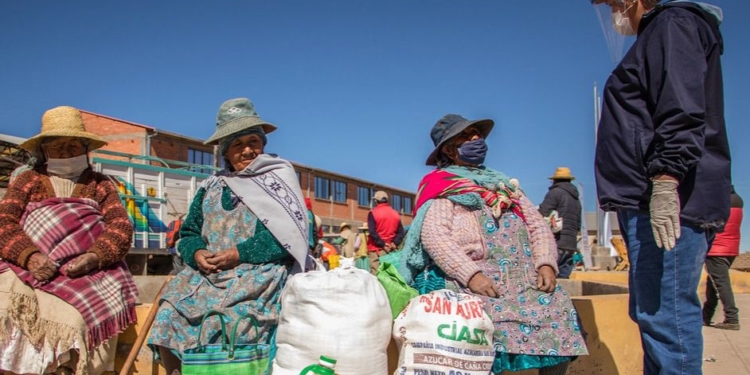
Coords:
pixel 155 192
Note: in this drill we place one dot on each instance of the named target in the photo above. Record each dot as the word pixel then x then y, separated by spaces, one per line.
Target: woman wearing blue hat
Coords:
pixel 475 232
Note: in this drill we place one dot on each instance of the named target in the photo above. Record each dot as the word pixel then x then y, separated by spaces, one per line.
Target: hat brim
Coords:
pixel 239 125
pixel 484 126
pixel 32 144
pixel 562 178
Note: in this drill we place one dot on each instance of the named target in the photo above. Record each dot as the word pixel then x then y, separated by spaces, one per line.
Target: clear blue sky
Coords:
pixel 354 86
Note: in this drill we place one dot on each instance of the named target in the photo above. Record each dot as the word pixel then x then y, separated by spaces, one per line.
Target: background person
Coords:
pixel 563 198
pixel 385 230
pixel 346 241
pixel 362 261
pixel 725 249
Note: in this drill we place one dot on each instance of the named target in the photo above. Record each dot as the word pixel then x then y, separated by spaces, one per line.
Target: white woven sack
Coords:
pixel 444 332
pixel 343 314
pixel 346 262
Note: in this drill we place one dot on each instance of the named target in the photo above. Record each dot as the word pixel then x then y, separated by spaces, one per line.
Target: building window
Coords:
pixel 201 158
pixel 407 205
pixel 364 196
pixel 396 202
pixel 339 191
pixel 322 188
pixel 299 177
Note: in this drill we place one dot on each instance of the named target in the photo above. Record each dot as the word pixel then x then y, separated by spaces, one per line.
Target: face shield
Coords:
pixel 613 18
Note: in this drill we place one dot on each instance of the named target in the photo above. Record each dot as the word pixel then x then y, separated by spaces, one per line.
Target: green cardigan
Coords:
pixel 262 247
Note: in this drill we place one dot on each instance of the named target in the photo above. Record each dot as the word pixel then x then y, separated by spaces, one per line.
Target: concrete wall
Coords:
pixel 740 279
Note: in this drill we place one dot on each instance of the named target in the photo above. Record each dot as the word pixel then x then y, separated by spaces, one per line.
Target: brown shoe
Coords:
pixel 729 326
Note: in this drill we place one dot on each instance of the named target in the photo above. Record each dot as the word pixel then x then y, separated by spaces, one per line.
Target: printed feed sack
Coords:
pixel 444 333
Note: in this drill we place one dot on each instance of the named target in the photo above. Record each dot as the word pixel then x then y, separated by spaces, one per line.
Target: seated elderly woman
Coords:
pixel 475 232
pixel 245 232
pixel 65 291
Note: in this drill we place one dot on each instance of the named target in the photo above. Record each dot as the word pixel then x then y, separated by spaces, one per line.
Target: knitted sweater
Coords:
pixel 35 186
pixel 452 237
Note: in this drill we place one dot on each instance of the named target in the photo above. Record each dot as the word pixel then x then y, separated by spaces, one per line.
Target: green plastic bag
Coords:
pixel 399 293
pixel 227 357
pixel 394 258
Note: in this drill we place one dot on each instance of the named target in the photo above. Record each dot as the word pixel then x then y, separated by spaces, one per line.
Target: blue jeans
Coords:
pixel 663 295
pixel 565 263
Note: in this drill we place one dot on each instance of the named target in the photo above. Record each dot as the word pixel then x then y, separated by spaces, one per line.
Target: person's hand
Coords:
pixel 225 260
pixel 41 267
pixel 546 281
pixel 482 285
pixel 201 259
pixel 82 265
pixel 665 212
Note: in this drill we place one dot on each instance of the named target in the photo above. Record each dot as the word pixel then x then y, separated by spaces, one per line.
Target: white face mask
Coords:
pixel 68 168
pixel 621 22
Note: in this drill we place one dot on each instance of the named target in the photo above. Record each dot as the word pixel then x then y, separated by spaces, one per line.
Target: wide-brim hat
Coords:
pixel 562 173
pixel 236 115
pixel 344 224
pixel 62 121
pixel 451 125
pixel 363 227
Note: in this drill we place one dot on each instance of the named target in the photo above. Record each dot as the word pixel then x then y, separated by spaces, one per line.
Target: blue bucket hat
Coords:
pixel 236 115
pixel 451 125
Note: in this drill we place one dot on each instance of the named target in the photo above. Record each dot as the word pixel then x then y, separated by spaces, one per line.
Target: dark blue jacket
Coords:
pixel 663 113
pixel 563 197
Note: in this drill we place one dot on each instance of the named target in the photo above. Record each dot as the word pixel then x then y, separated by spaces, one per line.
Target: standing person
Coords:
pixel 725 249
pixel 173 236
pixel 663 164
pixel 312 225
pixel 386 230
pixel 563 198
pixel 477 233
pixel 65 290
pixel 346 240
pixel 362 261
pixel 245 233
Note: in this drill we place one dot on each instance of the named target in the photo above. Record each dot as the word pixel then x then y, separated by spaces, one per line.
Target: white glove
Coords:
pixel 665 213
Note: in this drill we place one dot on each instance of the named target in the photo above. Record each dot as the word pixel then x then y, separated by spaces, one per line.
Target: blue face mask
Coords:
pixel 473 152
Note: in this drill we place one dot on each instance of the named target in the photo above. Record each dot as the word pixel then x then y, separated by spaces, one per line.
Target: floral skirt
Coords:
pixel 246 290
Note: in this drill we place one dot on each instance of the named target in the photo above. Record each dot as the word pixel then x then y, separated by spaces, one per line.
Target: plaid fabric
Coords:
pixel 64 228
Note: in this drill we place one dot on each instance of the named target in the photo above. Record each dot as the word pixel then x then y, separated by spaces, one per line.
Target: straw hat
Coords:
pixel 62 122
pixel 344 224
pixel 363 227
pixel 236 115
pixel 562 173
